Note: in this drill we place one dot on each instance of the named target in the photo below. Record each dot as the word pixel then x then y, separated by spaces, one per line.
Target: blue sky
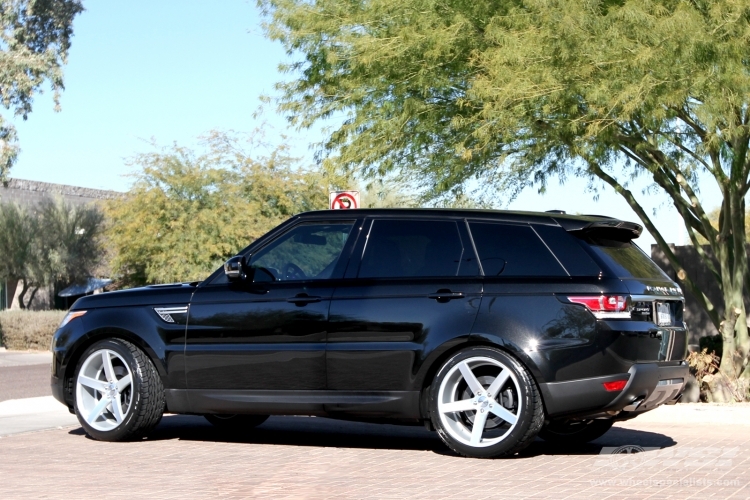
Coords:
pixel 172 71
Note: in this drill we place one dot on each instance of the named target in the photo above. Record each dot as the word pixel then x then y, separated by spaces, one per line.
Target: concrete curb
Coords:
pixel 33 414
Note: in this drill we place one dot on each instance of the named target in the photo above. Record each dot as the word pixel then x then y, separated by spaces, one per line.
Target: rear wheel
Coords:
pixel 236 422
pixel 484 404
pixel 575 431
pixel 119 394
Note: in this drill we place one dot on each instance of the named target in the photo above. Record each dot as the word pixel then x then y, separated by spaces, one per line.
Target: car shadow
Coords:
pixel 325 432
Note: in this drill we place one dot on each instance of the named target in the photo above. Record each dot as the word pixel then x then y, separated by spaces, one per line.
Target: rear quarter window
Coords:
pixel 510 250
pixel 570 251
pixel 625 259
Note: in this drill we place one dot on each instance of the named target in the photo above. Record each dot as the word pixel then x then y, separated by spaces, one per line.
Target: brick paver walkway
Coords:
pixel 299 457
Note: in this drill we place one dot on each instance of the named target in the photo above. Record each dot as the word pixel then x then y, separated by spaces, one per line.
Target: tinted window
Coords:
pixel 625 259
pixel 412 248
pixel 307 251
pixel 569 250
pixel 507 250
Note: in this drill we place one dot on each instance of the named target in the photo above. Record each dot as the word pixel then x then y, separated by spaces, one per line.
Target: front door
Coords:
pixel 268 332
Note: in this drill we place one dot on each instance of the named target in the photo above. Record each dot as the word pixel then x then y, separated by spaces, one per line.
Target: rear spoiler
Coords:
pixel 612 229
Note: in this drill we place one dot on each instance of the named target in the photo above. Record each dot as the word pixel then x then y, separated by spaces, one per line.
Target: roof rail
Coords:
pixel 561 212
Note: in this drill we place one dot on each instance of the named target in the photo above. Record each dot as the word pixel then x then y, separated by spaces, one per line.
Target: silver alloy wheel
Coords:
pixel 104 390
pixel 472 401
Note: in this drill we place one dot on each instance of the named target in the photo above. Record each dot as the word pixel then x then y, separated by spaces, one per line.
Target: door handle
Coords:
pixel 444 295
pixel 302 299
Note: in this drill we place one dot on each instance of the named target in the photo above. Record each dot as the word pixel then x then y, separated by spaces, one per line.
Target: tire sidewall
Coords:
pixel 122 430
pixel 525 418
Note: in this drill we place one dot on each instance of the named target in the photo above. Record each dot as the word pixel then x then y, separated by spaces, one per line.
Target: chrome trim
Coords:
pixel 612 315
pixel 654 298
pixel 165 313
pixel 671 381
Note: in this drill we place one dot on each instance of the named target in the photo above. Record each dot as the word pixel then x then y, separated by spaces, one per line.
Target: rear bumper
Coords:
pixel 648 385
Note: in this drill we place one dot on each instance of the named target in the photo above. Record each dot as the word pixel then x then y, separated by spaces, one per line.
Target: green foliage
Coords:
pixel 52 243
pixel 34 42
pixel 29 330
pixel 187 212
pixel 507 94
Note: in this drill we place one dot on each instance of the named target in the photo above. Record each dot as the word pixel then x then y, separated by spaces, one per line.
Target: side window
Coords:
pixel 568 249
pixel 308 251
pixel 412 248
pixel 508 250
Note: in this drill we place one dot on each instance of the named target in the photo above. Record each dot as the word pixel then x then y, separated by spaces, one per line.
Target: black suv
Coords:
pixel 490 327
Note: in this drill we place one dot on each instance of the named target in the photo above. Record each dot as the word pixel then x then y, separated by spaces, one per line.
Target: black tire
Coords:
pixel 530 416
pixel 147 401
pixel 575 432
pixel 236 422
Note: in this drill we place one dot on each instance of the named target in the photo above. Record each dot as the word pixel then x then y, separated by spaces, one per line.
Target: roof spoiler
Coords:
pixel 613 229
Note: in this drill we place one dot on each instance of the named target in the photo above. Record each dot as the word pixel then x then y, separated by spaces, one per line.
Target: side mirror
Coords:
pixel 234 268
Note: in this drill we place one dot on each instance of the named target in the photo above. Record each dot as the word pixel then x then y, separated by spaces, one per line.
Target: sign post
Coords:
pixel 343 200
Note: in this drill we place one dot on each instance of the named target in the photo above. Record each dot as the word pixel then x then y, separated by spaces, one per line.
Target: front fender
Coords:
pixel 163 343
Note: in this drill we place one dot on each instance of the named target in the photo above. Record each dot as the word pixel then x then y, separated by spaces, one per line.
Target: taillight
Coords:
pixel 617 385
pixel 605 306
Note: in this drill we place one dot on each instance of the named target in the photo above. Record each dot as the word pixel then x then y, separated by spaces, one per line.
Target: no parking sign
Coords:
pixel 344 200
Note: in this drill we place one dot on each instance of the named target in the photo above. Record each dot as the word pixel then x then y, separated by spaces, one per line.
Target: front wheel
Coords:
pixel 485 404
pixel 119 394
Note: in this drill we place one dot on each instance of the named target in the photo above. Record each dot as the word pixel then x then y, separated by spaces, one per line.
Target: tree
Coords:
pixel 18 249
pixel 187 212
pixel 51 243
pixel 69 241
pixel 510 93
pixel 34 42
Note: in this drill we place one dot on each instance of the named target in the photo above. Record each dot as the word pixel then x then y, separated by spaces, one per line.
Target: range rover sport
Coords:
pixel 490 327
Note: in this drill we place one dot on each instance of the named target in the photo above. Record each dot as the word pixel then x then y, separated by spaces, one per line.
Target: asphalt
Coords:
pixel 26 402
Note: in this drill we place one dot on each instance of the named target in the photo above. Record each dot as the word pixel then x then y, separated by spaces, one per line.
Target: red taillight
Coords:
pixel 617 385
pixel 609 303
pixel 604 306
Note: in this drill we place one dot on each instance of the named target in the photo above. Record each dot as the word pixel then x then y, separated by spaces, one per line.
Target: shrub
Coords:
pixel 24 330
pixel 704 366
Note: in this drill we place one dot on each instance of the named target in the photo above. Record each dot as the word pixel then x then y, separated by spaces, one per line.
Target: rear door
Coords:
pixel 417 286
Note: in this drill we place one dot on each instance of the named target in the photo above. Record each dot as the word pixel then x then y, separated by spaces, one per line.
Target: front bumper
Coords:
pixel 649 385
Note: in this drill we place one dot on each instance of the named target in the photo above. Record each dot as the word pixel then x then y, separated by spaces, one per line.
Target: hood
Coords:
pixel 176 293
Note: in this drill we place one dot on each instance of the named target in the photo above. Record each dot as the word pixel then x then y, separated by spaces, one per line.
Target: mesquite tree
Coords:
pixel 509 93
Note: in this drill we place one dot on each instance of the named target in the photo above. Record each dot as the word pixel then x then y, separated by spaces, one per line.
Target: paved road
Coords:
pixel 24 381
pixel 688 452
pixel 26 403
pixel 24 374
pixel 683 451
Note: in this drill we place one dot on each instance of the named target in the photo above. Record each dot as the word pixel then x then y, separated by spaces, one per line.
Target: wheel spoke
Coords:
pixel 117 408
pixel 498 383
pixel 480 418
pixel 123 383
pixel 501 412
pixel 98 409
pixel 109 371
pixel 97 385
pixel 471 380
pixel 463 405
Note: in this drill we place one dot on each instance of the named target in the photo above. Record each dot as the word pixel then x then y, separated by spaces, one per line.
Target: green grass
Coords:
pixel 29 330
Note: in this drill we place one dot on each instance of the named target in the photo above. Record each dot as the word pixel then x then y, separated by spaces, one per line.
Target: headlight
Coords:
pixel 71 316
